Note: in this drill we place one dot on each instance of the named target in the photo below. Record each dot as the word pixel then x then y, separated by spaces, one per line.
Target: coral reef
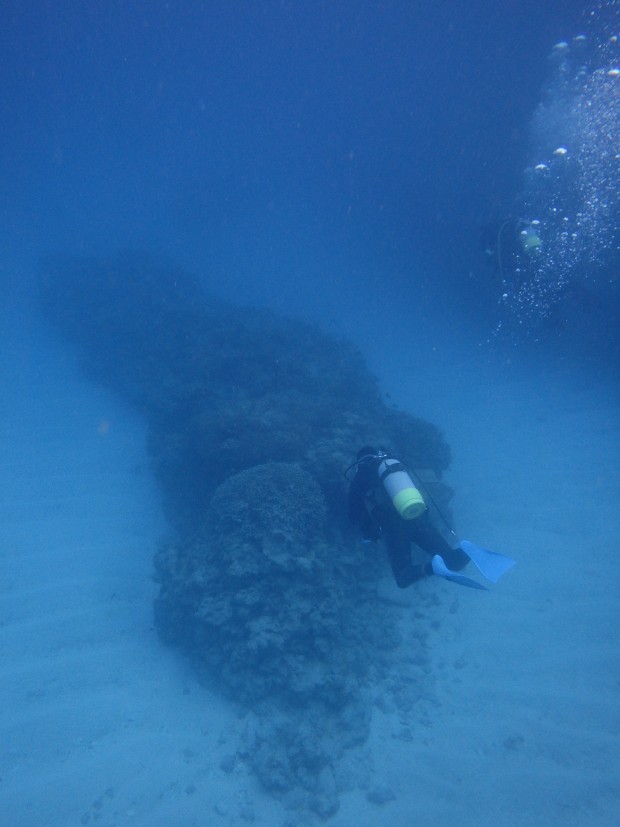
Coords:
pixel 252 419
pixel 284 620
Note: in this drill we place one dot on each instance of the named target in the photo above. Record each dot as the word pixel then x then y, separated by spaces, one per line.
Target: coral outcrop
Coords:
pixel 252 419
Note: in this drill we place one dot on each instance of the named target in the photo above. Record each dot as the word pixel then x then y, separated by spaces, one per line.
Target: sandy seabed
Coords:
pixel 518 720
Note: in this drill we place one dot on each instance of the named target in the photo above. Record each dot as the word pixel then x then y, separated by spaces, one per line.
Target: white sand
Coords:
pixel 517 723
pixel 99 722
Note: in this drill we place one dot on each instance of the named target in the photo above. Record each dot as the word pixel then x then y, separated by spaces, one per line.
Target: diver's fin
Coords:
pixel 491 564
pixel 441 570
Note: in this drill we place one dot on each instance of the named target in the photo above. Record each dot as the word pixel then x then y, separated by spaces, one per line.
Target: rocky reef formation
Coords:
pixel 281 618
pixel 252 419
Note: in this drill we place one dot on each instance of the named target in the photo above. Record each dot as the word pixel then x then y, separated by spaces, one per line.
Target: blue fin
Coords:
pixel 491 564
pixel 440 569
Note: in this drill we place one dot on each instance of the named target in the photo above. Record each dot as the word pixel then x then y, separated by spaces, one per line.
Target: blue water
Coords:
pixel 353 164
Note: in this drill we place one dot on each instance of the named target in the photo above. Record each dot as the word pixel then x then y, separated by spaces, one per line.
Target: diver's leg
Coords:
pixel 398 546
pixel 424 534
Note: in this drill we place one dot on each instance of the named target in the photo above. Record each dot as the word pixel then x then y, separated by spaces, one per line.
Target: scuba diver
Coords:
pixel 386 505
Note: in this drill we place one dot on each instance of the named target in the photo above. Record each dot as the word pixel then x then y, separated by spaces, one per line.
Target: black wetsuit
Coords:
pixel 371 508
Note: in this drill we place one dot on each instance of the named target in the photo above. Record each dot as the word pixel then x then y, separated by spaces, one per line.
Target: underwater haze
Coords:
pixel 241 240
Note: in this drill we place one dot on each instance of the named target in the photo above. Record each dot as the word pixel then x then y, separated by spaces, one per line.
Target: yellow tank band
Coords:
pixel 409 503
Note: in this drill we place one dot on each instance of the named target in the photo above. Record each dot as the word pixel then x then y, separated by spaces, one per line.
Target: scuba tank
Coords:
pixel 405 497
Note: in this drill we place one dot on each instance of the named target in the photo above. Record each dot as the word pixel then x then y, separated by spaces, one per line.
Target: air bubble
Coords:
pixel 575 141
